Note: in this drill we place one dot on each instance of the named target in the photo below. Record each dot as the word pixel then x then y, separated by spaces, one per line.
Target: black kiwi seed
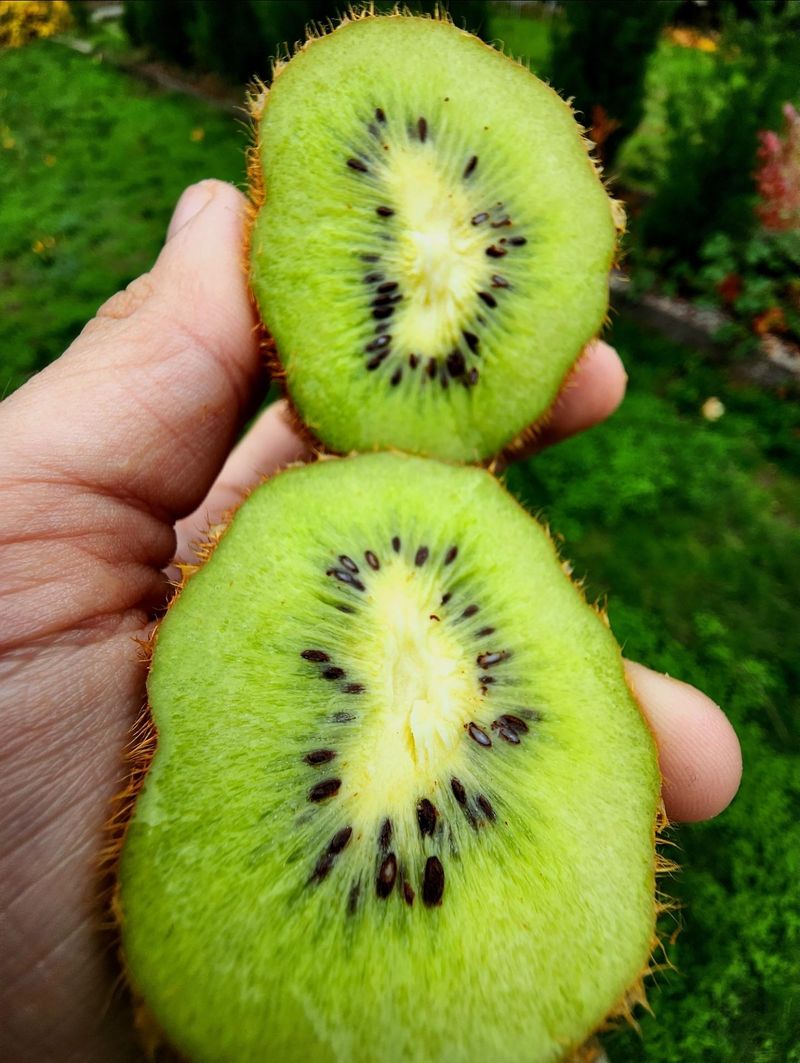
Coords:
pixel 372 560
pixel 496 252
pixel 387 873
pixel 433 882
pixel 319 756
pixel 451 555
pixel 488 298
pixel 357 164
pixel 333 673
pixel 479 219
pixel 384 212
pixel 518 241
pixel 485 632
pixel 408 893
pixel 488 660
pixel 396 544
pixel 387 300
pixel 470 167
pixel 397 376
pixel 432 367
pixel 421 556
pixel 377 360
pixel 389 286
pixel 413 361
pixel 370 257
pixel 322 868
pixel 471 341
pixel 499 282
pixel 379 114
pixel 342 717
pixel 486 680
pixel 456 364
pixel 373 278
pixel 346 577
pixel 446 597
pixel 385 836
pixel 501 222
pixel 377 344
pixel 459 792
pixel 339 841
pixel 323 790
pixel 346 608
pixel 354 688
pixel 315 655
pixel 382 313
pixel 478 735
pixel 471 610
pixel 485 806
pixel 426 817
pixel 472 376
pixel 512 723
pixel 348 563
pixel 422 129
pixel 352 900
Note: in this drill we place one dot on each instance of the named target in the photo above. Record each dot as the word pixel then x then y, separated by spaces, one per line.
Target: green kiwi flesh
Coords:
pixel 403 801
pixel 433 248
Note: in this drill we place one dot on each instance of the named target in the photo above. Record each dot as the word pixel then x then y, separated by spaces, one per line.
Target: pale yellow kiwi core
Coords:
pixel 425 695
pixel 440 258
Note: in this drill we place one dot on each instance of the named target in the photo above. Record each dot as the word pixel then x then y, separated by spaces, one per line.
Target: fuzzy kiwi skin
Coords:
pixel 299 1047
pixel 506 412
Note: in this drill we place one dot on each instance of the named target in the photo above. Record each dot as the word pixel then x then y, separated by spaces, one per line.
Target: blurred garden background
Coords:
pixel 684 509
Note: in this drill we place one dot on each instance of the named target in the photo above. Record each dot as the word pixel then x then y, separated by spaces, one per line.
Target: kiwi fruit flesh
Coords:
pixel 432 248
pixel 402 805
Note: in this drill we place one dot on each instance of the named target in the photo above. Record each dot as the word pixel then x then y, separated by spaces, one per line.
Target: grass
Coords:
pixel 92 163
pixel 691 528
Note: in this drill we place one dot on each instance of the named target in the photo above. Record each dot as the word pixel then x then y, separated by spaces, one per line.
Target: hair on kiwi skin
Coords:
pixel 139 757
pixel 257 101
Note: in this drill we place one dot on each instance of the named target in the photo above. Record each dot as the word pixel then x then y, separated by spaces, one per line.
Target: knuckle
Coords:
pixel 124 304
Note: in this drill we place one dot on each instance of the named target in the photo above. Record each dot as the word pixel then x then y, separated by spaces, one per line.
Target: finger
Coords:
pixel 591 393
pixel 147 402
pixel 699 753
pixel 269 445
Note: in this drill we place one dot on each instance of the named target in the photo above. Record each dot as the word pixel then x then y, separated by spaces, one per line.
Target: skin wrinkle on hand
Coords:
pixel 91 483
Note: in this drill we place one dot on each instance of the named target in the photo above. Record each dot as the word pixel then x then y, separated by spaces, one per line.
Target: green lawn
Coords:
pixel 691 528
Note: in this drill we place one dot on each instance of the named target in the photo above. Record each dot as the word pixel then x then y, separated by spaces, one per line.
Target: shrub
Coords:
pixel 22 21
pixel 601 58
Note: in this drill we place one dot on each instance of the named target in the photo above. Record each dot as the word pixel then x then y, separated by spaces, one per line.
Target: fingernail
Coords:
pixel 192 201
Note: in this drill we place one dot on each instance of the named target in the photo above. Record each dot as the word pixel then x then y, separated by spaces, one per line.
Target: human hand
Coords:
pixel 110 456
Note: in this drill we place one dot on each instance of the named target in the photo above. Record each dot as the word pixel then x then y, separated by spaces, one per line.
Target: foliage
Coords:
pixel 702 131
pixel 778 174
pixel 601 60
pixel 691 527
pixel 90 171
pixel 239 40
pixel 23 21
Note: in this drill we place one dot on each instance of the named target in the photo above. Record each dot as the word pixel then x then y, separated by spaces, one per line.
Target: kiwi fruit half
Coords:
pixel 402 805
pixel 432 245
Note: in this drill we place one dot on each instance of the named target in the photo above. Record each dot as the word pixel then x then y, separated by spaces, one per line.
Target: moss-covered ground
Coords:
pixel 690 527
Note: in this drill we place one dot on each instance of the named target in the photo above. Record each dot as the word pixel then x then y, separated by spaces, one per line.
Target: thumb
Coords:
pixel 146 403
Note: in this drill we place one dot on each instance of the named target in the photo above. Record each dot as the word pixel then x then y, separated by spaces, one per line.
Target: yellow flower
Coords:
pixel 197 134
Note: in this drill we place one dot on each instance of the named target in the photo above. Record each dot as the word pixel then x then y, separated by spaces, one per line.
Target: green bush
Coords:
pixel 239 40
pixel 713 105
pixel 600 58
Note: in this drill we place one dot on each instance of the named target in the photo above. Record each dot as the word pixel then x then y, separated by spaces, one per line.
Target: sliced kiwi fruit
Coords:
pixel 402 805
pixel 432 245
